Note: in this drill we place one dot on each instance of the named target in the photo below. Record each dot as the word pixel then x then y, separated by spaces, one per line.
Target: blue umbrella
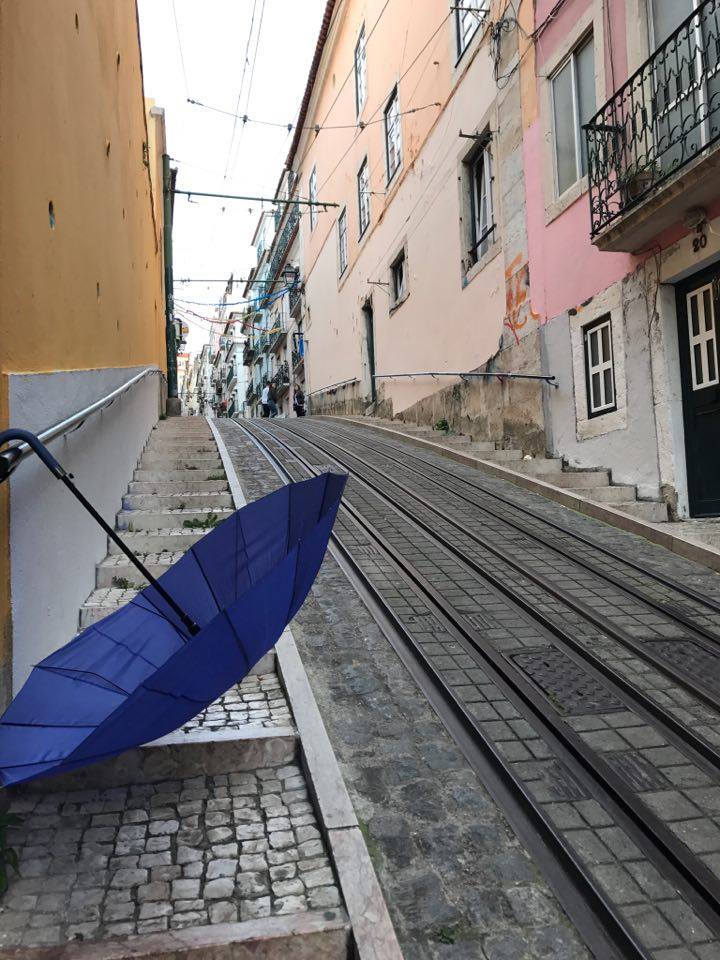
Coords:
pixel 151 666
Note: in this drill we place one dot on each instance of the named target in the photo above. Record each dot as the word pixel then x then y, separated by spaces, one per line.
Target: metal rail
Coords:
pixel 663 579
pixel 649 832
pixel 15 454
pixel 596 918
pixel 334 386
pixel 497 374
pixel 643 703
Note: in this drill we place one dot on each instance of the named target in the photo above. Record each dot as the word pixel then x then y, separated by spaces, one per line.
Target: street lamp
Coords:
pixel 290 275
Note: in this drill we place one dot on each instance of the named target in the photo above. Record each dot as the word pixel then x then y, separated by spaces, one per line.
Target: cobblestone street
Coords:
pixel 458 880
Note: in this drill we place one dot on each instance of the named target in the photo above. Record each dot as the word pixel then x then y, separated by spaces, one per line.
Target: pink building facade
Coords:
pixel 622 237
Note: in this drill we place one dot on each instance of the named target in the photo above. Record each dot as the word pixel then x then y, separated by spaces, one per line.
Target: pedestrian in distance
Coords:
pixel 299 402
pixel 272 401
pixel 265 400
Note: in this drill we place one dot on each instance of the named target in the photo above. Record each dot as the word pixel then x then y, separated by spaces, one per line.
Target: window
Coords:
pixel 573 103
pixel 393 145
pixel 312 196
pixel 360 72
pixel 342 243
pixel 703 343
pixel 480 181
pixel 363 188
pixel 469 14
pixel 599 366
pixel 398 278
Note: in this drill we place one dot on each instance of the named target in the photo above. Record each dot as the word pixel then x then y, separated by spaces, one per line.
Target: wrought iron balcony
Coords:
pixel 664 119
pixel 295 298
pixel 281 377
pixel 230 376
pixel 250 393
pixel 277 335
pixel 298 359
pixel 261 345
pixel 248 354
pixel 283 239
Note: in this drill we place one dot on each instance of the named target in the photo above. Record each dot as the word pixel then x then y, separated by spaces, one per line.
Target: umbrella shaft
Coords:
pixel 187 620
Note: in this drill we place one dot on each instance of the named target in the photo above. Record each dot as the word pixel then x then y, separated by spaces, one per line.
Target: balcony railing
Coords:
pixel 277 336
pixel 248 354
pixel 281 377
pixel 283 239
pixel 662 118
pixel 250 393
pixel 261 344
pixel 295 297
pixel 230 376
pixel 298 359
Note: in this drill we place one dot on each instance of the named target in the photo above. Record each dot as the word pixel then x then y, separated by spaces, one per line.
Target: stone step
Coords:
pixel 187 448
pixel 136 520
pixel 539 467
pixel 618 494
pixel 484 445
pixel 582 480
pixel 454 441
pixel 103 602
pixel 152 461
pixel 497 456
pixel 164 488
pixel 170 539
pixel 648 510
pixel 117 567
pixel 172 501
pixel 161 475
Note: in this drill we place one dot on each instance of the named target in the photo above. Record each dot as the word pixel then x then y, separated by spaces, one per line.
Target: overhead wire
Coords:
pixel 240 91
pixel 250 84
pixel 182 58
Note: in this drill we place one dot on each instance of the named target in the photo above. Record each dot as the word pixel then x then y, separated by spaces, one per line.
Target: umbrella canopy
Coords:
pixel 140 673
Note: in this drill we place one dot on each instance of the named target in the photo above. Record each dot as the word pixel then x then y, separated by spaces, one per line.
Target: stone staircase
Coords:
pixel 593 485
pixel 179 492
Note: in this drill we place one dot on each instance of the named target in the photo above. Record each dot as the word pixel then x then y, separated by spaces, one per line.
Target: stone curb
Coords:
pixel 373 932
pixel 308 936
pixel 700 553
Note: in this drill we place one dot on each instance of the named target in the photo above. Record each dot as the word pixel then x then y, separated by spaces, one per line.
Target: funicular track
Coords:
pixel 543 750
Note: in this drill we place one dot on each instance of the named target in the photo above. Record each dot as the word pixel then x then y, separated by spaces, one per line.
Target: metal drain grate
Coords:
pixel 571 689
pixel 690 658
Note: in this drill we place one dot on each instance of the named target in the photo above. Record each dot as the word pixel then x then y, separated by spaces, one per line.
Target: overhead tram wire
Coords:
pixel 242 84
pixel 182 58
pixel 250 86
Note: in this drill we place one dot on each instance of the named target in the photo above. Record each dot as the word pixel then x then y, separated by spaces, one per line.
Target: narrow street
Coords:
pixel 574 668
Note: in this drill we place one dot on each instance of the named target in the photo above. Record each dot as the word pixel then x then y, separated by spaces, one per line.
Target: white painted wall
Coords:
pixel 54 544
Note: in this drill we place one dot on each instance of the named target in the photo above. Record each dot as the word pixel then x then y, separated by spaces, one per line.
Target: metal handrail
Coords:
pixel 334 386
pixel 15 454
pixel 552 380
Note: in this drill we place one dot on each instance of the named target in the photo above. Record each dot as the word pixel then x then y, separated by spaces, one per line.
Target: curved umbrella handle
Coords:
pixel 10 458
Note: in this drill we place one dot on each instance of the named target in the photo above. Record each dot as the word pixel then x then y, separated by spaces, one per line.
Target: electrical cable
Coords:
pixel 250 84
pixel 242 84
pixel 182 58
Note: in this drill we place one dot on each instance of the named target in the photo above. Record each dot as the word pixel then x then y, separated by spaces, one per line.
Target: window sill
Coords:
pixel 565 200
pixel 598 426
pixel 398 303
pixel 469 275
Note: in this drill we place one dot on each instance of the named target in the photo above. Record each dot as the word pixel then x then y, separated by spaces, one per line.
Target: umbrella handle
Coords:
pixel 10 458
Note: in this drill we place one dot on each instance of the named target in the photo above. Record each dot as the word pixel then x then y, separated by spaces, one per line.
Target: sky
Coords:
pixel 196 49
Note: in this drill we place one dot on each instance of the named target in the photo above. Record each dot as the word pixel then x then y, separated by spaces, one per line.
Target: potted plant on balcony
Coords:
pixel 637 178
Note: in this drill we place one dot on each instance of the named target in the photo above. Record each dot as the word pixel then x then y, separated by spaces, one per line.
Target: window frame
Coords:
pixel 360 70
pixel 398 296
pixel 705 339
pixel 593 329
pixel 481 240
pixel 393 100
pixel 342 242
pixel 312 196
pixel 587 38
pixel 460 35
pixel 363 222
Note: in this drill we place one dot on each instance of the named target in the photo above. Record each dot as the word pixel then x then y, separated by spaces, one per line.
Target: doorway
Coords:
pixel 369 318
pixel 698 311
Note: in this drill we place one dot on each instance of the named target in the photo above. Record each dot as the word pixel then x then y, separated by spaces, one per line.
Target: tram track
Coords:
pixel 586 766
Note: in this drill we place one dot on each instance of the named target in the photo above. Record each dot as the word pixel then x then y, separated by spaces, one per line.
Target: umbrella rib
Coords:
pixel 158 613
pixel 119 643
pixel 200 568
pixel 247 559
pixel 240 647
pixel 81 675
pixel 48 726
pixel 174 696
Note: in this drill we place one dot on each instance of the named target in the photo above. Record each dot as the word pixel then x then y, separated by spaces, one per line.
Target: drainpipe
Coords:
pixel 173 401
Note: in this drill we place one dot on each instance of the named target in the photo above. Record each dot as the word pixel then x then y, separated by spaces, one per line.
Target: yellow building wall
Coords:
pixel 81 267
